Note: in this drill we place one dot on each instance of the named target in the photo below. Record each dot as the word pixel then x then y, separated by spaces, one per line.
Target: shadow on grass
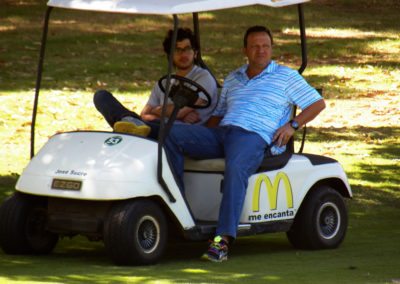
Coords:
pixel 373 197
pixel 388 151
pixel 180 265
pixel 358 133
pixel 7 185
pixel 379 174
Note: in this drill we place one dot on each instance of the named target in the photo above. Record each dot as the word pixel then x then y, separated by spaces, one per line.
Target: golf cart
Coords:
pixel 119 188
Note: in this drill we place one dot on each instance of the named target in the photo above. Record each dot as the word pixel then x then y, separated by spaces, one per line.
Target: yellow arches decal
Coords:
pixel 272 191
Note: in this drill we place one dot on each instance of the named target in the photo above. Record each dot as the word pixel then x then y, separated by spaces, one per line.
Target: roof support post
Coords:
pixel 199 60
pixel 163 129
pixel 39 77
pixel 302 38
pixel 196 30
pixel 303 43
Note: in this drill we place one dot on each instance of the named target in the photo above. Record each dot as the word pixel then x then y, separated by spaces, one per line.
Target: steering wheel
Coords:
pixel 183 95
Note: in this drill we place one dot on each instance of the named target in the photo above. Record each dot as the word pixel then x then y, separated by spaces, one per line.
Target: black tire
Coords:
pixel 23 225
pixel 321 222
pixel 135 233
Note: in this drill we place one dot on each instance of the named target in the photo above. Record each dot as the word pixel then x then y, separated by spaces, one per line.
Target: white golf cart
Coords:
pixel 119 188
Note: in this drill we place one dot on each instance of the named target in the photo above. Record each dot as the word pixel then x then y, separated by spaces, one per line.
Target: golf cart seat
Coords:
pixel 269 163
pixel 218 165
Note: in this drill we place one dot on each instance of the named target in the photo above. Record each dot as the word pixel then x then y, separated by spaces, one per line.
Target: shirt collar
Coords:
pixel 272 66
pixel 192 71
pixel 195 67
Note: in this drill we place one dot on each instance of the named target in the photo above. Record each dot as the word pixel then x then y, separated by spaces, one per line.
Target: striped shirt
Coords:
pixel 264 103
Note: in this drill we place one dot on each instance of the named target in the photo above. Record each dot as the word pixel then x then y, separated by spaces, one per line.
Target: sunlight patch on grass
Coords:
pixel 385 46
pixel 374 111
pixel 195 270
pixel 202 16
pixel 18 21
pixel 123 24
pixel 59 111
pixel 131 279
pixel 240 275
pixel 366 80
pixel 13 280
pixel 340 33
pixel 77 277
pixel 63 22
pixel 206 16
pixel 22 3
pixel 272 278
pixel 7 28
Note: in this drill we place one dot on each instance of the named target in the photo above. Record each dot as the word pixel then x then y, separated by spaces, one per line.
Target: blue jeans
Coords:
pixel 243 152
pixel 114 111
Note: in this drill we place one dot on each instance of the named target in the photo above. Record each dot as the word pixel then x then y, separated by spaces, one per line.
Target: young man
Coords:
pixel 147 124
pixel 252 115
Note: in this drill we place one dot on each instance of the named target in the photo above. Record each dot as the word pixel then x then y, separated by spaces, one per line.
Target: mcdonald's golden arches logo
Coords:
pixel 272 191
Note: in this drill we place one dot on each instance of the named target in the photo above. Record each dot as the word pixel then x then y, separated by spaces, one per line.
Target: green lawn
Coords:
pixel 354 49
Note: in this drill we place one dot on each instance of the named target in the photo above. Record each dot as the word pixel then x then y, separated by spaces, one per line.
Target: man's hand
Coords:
pixel 191 117
pixel 147 114
pixel 149 117
pixel 283 135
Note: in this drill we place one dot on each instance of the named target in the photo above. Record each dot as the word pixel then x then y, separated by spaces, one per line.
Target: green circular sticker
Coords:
pixel 113 140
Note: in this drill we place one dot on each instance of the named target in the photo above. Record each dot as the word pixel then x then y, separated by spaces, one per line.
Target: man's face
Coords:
pixel 258 49
pixel 184 54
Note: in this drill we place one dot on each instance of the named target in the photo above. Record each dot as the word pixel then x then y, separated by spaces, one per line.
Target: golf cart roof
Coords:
pixel 163 7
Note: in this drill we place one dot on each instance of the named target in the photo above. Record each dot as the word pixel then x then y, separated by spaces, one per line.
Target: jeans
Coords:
pixel 114 111
pixel 243 152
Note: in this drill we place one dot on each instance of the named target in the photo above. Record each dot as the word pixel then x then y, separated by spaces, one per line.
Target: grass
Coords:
pixel 353 56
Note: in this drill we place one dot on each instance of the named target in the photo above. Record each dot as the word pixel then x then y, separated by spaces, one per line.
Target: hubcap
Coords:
pixel 328 220
pixel 148 234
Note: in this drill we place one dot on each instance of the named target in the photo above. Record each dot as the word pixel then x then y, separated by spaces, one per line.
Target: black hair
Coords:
pixel 257 29
pixel 183 33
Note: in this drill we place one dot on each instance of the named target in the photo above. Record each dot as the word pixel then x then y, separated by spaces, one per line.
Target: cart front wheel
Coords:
pixel 135 233
pixel 23 221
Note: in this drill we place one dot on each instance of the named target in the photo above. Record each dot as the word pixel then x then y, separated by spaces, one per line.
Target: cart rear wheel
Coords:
pixel 135 232
pixel 321 222
pixel 23 221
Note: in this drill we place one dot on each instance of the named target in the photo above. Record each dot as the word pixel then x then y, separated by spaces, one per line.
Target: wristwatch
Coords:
pixel 294 124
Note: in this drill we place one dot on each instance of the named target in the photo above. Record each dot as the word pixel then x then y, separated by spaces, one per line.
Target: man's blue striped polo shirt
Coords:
pixel 264 103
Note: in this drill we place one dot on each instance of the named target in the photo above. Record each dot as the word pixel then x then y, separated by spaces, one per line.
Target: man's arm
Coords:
pixel 186 114
pixel 147 115
pixel 284 133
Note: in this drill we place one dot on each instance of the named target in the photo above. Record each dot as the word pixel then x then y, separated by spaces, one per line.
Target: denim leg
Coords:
pixel 110 107
pixel 195 141
pixel 244 152
pixel 154 128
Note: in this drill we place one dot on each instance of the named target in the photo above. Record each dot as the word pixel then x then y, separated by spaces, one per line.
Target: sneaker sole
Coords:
pixel 205 257
pixel 128 127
